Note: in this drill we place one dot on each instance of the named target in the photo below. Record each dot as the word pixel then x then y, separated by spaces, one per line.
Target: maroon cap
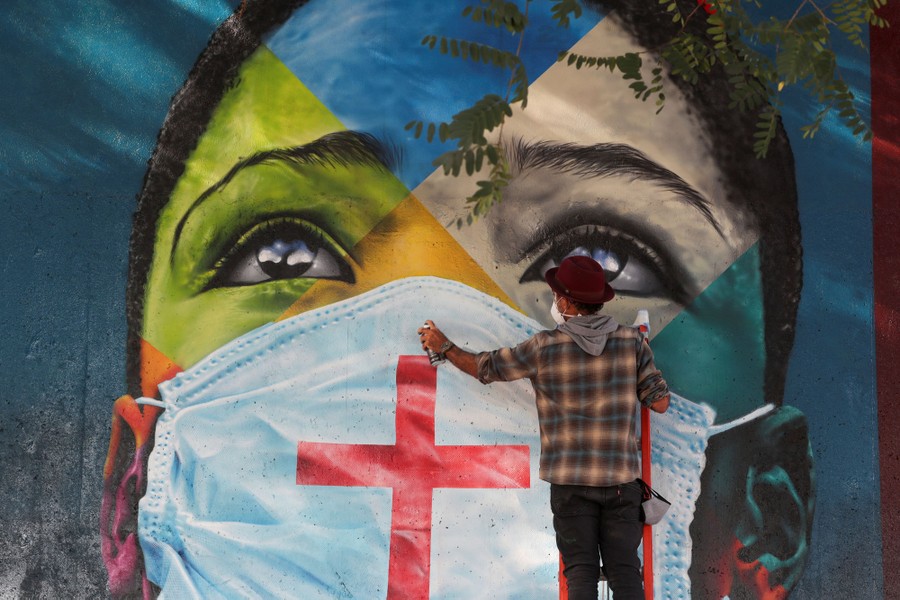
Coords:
pixel 580 278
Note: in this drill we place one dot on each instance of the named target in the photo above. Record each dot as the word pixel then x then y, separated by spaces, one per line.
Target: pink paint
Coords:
pixel 122 555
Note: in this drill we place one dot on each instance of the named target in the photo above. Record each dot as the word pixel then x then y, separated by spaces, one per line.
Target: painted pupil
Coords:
pixel 284 260
pixel 612 262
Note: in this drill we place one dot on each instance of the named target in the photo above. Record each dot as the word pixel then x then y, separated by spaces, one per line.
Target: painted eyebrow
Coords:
pixel 606 160
pixel 338 149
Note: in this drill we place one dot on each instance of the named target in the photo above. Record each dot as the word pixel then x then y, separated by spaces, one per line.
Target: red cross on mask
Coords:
pixel 413 467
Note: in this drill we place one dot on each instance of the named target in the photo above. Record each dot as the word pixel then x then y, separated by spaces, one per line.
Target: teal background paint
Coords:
pixel 697 336
pixel 84 89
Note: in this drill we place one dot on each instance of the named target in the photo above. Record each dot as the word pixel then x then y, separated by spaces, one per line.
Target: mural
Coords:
pixel 282 434
pixel 279 209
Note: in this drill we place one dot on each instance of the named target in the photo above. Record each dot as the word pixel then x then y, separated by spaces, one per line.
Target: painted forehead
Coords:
pixel 301 86
pixel 380 77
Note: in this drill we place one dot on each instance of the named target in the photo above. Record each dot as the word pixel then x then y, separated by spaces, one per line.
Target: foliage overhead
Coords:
pixel 760 57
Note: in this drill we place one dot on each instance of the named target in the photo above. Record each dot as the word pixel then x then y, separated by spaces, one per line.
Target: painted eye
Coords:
pixel 281 249
pixel 631 267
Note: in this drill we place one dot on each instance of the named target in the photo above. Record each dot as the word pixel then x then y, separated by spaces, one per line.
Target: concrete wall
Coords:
pixel 276 235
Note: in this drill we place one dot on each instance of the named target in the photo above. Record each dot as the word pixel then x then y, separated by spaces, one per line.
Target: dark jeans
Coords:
pixel 594 523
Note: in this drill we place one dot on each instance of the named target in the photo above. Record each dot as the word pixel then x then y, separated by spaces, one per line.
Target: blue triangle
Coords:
pixel 365 63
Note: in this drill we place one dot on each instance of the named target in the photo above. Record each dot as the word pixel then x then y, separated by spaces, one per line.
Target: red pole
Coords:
pixel 563 588
pixel 885 66
pixel 645 475
pixel 643 323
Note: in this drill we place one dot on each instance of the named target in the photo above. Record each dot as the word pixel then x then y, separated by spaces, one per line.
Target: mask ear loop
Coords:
pixel 152 402
pixel 762 410
pixel 556 302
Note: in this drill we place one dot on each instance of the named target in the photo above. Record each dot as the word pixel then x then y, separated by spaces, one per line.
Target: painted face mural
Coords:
pixel 291 236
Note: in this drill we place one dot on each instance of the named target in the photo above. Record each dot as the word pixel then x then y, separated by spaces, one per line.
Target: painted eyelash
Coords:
pixel 616 237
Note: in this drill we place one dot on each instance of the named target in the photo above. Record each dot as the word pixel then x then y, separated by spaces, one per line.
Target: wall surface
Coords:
pixel 227 197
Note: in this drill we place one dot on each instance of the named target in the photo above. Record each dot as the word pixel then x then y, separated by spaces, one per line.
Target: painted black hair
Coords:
pixel 765 188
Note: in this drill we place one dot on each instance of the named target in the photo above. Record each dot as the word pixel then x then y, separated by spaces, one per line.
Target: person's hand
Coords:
pixel 431 337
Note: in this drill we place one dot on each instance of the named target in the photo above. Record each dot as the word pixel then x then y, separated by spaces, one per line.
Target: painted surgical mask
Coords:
pixel 323 457
pixel 678 443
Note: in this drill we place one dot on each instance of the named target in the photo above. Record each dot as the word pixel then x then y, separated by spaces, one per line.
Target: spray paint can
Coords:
pixel 642 322
pixel 435 358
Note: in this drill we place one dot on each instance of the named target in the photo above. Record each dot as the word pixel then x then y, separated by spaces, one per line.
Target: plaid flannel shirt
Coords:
pixel 587 405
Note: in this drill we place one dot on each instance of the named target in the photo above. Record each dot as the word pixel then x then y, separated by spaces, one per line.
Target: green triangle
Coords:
pixel 714 350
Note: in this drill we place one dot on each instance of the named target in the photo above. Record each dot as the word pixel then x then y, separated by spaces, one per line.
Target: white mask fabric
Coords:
pixel 559 317
pixel 249 496
pixel 231 512
pixel 555 314
pixel 678 441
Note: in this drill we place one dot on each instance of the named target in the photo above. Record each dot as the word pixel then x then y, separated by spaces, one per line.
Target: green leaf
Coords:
pixel 765 131
pixel 759 56
pixel 479 158
pixel 492 154
pixel 485 188
pixel 562 9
